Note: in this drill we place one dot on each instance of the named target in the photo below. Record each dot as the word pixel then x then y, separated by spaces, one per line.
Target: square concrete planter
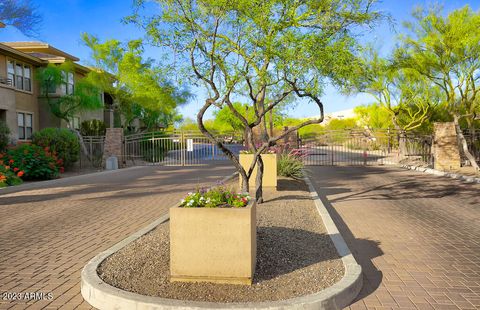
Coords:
pixel 269 169
pixel 213 244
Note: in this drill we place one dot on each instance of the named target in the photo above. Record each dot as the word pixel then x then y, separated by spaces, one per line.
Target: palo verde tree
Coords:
pixel 85 95
pixel 446 51
pixel 409 98
pixel 261 51
pixel 141 89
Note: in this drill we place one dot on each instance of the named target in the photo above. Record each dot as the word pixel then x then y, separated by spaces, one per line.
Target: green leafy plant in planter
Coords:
pixel 37 163
pixel 291 164
pixel 61 141
pixel 217 197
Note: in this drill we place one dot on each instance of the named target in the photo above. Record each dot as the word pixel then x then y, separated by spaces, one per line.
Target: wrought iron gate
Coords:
pixel 364 147
pixel 174 149
pixel 345 147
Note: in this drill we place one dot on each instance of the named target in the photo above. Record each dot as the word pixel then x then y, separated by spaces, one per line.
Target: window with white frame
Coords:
pixel 25 125
pixel 68 83
pixel 75 121
pixel 20 74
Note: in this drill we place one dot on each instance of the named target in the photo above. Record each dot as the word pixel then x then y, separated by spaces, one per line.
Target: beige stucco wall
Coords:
pixel 7 103
pixel 269 169
pixel 221 241
pixel 14 100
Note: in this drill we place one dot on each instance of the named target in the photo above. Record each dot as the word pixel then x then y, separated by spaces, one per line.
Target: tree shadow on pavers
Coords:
pixel 282 250
pixel 401 185
pixel 132 183
pixel 363 250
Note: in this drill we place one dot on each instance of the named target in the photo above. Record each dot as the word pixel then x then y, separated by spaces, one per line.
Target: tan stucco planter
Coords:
pixel 269 169
pixel 213 244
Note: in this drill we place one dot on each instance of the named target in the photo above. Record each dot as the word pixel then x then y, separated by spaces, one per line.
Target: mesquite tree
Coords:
pixel 263 52
pixel 446 50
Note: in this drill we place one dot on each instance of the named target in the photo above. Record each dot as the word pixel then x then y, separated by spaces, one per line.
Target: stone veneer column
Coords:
pixel 446 153
pixel 113 145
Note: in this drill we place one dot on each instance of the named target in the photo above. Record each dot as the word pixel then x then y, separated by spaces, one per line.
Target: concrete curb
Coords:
pixel 104 296
pixel 437 172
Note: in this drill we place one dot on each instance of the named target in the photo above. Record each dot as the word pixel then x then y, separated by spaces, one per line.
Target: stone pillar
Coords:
pixel 113 145
pixel 446 153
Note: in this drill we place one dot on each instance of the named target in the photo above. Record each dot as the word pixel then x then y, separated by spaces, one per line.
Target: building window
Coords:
pixel 76 122
pixel 25 125
pixel 20 74
pixel 67 85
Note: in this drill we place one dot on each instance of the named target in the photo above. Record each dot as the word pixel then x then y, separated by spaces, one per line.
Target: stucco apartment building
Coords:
pixel 22 105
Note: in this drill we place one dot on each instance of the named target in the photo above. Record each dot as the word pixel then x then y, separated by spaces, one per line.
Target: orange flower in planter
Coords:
pixel 62 170
pixel 15 169
pixel 2 177
pixel 20 174
pixel 11 161
pixel 7 167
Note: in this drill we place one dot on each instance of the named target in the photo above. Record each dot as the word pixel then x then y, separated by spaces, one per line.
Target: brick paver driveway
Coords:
pixel 49 231
pixel 416 236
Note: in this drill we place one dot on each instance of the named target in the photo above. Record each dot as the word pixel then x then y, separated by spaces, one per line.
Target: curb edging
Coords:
pixel 104 296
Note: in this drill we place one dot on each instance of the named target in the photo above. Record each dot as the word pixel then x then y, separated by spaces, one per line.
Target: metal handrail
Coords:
pixel 6 81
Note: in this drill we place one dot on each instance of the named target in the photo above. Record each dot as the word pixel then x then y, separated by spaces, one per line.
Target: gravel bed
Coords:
pixel 295 256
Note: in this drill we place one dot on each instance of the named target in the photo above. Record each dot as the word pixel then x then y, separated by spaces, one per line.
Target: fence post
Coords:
pixel 182 149
pixel 91 147
pixel 213 151
pixel 389 142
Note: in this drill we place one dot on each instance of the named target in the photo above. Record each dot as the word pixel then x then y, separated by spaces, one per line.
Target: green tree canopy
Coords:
pixel 261 51
pixel 85 96
pixel 141 88
pixel 446 51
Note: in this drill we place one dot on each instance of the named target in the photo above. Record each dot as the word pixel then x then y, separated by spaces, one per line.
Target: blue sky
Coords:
pixel 65 20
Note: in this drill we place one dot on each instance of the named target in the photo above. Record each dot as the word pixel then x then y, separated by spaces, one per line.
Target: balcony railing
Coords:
pixel 5 81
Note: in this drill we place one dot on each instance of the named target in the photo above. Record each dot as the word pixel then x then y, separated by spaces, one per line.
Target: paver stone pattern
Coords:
pixel 417 236
pixel 50 230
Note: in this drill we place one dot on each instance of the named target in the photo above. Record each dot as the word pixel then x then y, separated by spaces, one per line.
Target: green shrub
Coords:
pixel 93 127
pixel 36 162
pixel 290 165
pixel 62 141
pixel 4 136
pixel 9 176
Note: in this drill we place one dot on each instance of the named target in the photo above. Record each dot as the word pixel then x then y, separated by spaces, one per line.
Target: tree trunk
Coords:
pixel 258 181
pixel 271 123
pixel 463 142
pixel 402 143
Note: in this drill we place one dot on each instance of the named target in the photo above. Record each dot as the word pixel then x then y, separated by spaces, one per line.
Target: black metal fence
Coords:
pixel 366 147
pixel 473 142
pixel 95 146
